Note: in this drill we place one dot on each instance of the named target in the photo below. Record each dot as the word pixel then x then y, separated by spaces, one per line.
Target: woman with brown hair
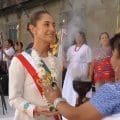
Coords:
pixel 101 69
pixel 32 69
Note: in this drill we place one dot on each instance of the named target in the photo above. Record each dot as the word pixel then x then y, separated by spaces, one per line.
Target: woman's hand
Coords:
pixel 44 111
pixel 49 113
pixel 51 93
pixel 38 110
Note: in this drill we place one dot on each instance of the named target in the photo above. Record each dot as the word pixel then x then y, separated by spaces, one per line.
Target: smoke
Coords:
pixel 76 23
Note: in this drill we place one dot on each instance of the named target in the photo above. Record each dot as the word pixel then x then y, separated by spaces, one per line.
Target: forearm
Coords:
pixel 91 70
pixel 67 111
pixel 84 112
pixel 23 105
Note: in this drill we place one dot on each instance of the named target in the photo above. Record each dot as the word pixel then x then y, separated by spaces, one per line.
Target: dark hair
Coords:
pixel 10 42
pixel 103 34
pixel 30 45
pixel 28 28
pixel 19 43
pixel 28 24
pixel 37 16
pixel 115 42
pixel 83 36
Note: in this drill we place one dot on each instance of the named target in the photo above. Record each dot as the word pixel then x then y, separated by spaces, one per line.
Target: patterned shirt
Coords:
pixel 107 99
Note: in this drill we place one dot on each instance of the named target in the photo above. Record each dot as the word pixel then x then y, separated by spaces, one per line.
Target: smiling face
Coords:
pixel 44 30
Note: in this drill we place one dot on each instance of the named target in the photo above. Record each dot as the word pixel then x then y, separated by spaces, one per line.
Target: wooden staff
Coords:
pixel 19 31
pixel 1 40
pixel 118 16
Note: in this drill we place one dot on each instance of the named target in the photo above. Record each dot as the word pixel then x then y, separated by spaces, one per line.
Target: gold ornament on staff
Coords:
pixel 54 46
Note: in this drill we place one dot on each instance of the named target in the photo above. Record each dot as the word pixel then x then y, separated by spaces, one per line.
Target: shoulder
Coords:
pixel 15 59
pixel 15 62
pixel 71 47
pixel 87 47
pixel 106 99
pixel 12 49
pixel 107 91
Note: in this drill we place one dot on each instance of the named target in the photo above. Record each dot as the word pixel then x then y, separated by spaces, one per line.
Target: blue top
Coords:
pixel 107 99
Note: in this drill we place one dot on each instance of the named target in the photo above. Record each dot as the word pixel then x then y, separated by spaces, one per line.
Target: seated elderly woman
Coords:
pixel 105 102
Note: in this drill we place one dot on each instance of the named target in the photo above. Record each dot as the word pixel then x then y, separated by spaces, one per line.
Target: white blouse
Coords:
pixel 23 93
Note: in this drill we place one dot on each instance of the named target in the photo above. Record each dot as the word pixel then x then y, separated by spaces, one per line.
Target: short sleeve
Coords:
pixel 106 100
pixel 11 52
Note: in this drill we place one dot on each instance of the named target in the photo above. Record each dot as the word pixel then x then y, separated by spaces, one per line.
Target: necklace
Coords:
pixel 77 48
pixel 47 76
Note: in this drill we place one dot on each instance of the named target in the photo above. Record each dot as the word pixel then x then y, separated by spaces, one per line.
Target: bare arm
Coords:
pixel 91 70
pixel 85 112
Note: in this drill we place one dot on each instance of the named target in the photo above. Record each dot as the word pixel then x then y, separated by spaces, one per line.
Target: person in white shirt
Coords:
pixel 78 58
pixel 8 52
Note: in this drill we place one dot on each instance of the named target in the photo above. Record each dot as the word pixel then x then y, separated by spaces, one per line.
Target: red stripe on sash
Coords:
pixel 31 71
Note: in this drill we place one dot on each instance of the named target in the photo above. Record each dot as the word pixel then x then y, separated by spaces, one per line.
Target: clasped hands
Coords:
pixel 51 93
pixel 43 111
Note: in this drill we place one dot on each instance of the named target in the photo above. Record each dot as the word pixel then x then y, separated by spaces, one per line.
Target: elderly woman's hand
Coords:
pixel 49 114
pixel 52 93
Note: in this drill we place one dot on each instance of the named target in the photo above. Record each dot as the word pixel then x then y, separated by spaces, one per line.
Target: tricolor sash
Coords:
pixel 32 71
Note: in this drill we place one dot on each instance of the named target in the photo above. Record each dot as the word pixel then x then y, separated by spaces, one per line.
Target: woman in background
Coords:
pixel 101 70
pixel 79 59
